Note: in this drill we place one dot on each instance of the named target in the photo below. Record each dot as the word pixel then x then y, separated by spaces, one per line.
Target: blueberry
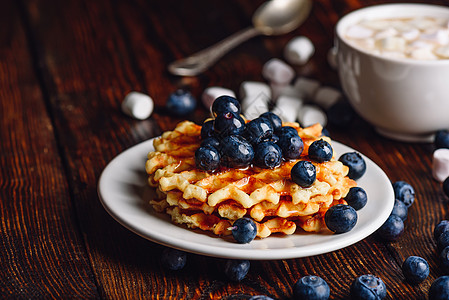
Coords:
pixel 443 240
pixel 404 192
pixel 368 287
pixel 290 142
pixel 207 158
pixel 439 290
pixel 276 122
pixel 311 288
pixel 258 130
pixel 229 124
pixel 207 130
pixel 173 259
pixel 442 139
pixel 444 258
pixel 446 186
pixel 181 102
pixel 340 114
pixel 236 270
pixel 225 104
pixel 340 218
pixel 392 228
pixel 303 173
pixel 267 155
pixel 236 152
pixel 260 297
pixel 440 228
pixel 244 230
pixel 320 151
pixel 400 210
pixel 356 197
pixel 210 141
pixel 415 269
pixel 355 163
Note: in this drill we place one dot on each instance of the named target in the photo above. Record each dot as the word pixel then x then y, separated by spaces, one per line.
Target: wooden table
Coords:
pixel 65 67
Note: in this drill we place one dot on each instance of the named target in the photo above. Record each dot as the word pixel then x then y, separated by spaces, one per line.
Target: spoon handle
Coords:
pixel 202 60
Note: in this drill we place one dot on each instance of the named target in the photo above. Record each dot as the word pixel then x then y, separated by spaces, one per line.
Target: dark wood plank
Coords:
pixel 42 252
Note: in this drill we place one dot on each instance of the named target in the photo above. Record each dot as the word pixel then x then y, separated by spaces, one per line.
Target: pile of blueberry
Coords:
pixel 228 141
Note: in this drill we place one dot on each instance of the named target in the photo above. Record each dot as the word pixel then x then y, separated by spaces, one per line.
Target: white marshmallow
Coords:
pixel 443 51
pixel 254 88
pixel 423 23
pixel 327 96
pixel 287 108
pixel 306 87
pixel 389 32
pixel 359 32
pixel 421 44
pixel 440 36
pixel 332 58
pixel 440 164
pixel 137 105
pixel 423 54
pixel 277 71
pixel 376 24
pixel 393 44
pixel 299 50
pixel 255 105
pixel 410 34
pixel 311 114
pixel 212 93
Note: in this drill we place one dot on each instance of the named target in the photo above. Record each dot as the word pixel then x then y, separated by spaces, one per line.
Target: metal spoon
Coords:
pixel 271 18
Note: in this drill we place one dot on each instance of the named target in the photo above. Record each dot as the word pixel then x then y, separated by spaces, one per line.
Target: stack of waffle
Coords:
pixel 212 201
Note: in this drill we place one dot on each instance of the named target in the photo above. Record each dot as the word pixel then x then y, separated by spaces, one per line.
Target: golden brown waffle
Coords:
pixel 213 201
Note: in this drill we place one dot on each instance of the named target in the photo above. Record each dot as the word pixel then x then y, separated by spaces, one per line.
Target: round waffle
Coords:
pixel 212 201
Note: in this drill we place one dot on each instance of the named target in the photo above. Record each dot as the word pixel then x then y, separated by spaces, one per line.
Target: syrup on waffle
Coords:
pixel 212 201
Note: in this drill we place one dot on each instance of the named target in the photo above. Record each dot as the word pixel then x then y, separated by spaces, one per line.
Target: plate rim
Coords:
pixel 244 251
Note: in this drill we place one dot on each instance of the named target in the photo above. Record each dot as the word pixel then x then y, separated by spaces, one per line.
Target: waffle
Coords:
pixel 212 201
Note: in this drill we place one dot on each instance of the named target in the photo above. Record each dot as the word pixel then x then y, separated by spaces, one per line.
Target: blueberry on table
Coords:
pixel 236 270
pixel 404 192
pixel 207 129
pixel 340 218
pixel 236 152
pixel 258 130
pixel 225 104
pixel 181 102
pixel 267 155
pixel 275 120
pixel 207 158
pixel 446 186
pixel 368 287
pixel 303 173
pixel 356 197
pixel 290 142
pixel 320 151
pixel 415 269
pixel 441 227
pixel 442 139
pixel 173 259
pixel 355 163
pixel 391 229
pixel 439 290
pixel 229 124
pixel 444 258
pixel 311 287
pixel 400 209
pixel 244 230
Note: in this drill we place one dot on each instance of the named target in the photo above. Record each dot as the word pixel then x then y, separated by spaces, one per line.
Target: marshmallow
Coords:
pixel 392 44
pixel 254 88
pixel 306 87
pixel 359 32
pixel 423 54
pixel 326 96
pixel 332 58
pixel 423 23
pixel 443 51
pixel 255 105
pixel 299 50
pixel 137 105
pixel 440 164
pixel 410 34
pixel 389 32
pixel 376 24
pixel 440 36
pixel 287 108
pixel 311 114
pixel 277 71
pixel 212 93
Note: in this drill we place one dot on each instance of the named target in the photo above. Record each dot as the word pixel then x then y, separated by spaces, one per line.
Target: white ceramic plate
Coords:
pixel 124 193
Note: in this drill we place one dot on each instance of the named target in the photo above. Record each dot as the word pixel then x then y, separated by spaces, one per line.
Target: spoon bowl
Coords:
pixel 271 18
